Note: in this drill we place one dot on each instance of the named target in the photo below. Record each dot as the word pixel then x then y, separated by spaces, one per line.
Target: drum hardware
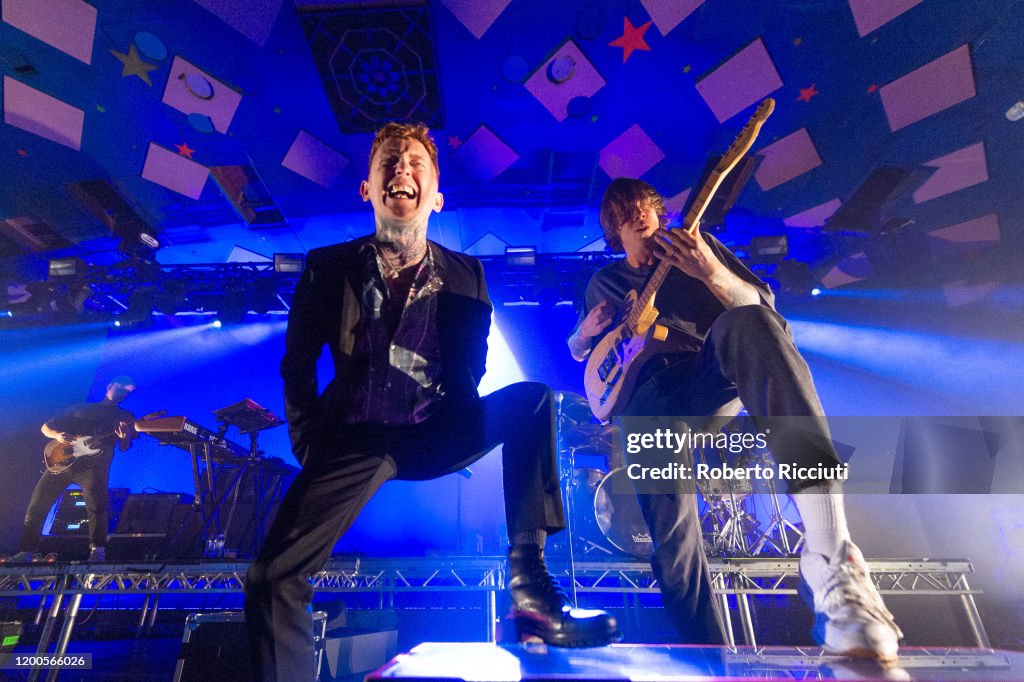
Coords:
pixel 602 524
pixel 586 451
pixel 573 409
pixel 728 526
pixel 780 527
pixel 584 533
pixel 567 411
pixel 729 529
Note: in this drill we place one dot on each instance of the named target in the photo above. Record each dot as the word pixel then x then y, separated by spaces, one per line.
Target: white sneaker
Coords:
pixel 850 618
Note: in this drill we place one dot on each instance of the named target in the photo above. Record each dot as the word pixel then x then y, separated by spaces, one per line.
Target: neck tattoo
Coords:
pixel 395 261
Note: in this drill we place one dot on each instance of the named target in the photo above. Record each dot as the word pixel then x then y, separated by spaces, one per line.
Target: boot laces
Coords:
pixel 541 577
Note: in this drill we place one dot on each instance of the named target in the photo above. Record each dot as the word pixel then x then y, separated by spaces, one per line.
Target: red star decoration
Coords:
pixel 872 87
pixel 22 152
pixel 454 142
pixel 184 150
pixel 632 38
pixel 807 93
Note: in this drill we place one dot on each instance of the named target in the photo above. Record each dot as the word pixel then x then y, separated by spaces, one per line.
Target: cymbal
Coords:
pixel 592 437
pixel 573 408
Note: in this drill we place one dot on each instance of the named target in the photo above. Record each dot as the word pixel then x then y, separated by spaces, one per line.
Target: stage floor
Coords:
pixel 480 662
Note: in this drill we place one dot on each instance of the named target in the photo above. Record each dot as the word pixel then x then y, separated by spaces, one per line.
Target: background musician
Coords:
pixel 106 423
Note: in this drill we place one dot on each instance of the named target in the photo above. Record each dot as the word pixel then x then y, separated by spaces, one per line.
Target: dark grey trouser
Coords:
pixel 91 473
pixel 748 353
pixel 342 473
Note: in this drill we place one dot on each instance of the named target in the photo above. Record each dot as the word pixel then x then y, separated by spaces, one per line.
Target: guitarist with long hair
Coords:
pixel 725 341
pixel 84 435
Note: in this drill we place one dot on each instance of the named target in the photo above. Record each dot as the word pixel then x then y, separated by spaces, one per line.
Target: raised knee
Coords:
pixel 751 315
pixel 748 324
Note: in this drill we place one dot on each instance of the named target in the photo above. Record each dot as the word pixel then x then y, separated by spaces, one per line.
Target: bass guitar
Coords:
pixel 58 456
pixel 615 362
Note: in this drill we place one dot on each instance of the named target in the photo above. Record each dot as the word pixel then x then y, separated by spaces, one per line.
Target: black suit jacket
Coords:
pixel 326 310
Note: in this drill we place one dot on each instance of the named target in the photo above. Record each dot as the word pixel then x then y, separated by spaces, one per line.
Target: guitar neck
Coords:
pixel 103 436
pixel 645 296
pixel 740 146
pixel 692 220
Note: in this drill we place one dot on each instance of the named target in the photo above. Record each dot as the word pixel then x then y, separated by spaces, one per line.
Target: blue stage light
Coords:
pixel 502 367
pixel 216 324
pixel 815 291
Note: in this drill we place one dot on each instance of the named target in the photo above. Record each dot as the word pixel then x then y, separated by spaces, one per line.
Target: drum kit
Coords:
pixel 605 523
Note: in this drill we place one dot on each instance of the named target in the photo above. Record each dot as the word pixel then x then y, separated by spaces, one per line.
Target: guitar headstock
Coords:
pixel 740 146
pixel 745 140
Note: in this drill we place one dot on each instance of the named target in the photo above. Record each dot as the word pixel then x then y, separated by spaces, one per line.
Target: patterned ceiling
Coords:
pixel 231 130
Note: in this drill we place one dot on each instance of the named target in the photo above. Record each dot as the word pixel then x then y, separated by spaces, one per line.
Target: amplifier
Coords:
pixel 148 512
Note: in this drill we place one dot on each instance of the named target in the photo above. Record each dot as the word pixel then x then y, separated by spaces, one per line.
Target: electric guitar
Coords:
pixel 614 364
pixel 58 456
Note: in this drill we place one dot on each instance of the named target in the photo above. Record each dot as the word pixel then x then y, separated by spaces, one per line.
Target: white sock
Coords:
pixel 824 517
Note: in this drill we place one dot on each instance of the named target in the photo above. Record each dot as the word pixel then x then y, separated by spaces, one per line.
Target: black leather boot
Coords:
pixel 541 609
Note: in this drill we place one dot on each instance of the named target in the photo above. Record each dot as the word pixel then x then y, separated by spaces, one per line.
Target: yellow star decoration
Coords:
pixel 134 66
pixel 687 69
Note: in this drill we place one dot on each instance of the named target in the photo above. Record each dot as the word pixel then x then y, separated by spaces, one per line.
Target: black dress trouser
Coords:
pixel 750 353
pixel 91 474
pixel 344 470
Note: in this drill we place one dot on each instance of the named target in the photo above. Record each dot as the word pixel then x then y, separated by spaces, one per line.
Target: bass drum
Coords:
pixel 619 517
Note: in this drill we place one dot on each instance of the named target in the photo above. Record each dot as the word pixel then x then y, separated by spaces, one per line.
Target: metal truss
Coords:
pixel 777 576
pixel 810 663
pixel 133 289
pixel 737 579
pixel 352 575
pixel 412 575
pixel 742 578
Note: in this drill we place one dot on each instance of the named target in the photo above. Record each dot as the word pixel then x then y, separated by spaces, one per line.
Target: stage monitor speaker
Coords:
pixel 215 646
pixel 135 546
pixel 146 527
pixel 354 651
